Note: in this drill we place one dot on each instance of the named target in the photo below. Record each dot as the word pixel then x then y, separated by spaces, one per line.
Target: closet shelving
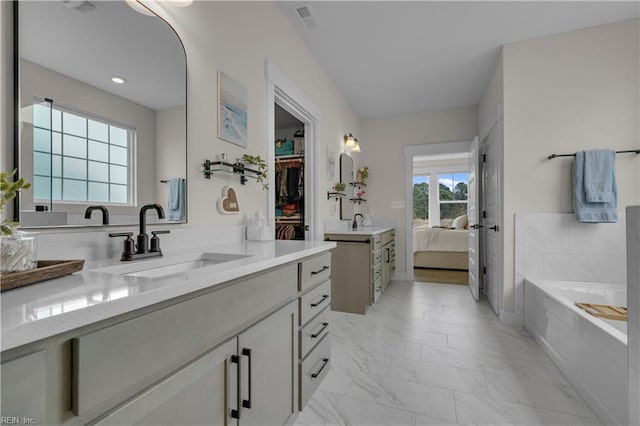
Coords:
pixel 289 197
pixel 239 169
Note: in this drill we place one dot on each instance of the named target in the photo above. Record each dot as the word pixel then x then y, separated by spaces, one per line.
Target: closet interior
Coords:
pixel 289 176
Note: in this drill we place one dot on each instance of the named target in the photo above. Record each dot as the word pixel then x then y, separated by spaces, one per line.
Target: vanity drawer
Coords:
pixel 314 331
pixel 313 370
pixel 387 237
pixel 376 241
pixel 315 301
pixel 377 288
pixel 377 257
pixel 377 272
pixel 116 362
pixel 315 270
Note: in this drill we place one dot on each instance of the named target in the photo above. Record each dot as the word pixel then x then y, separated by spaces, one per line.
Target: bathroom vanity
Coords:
pixel 226 335
pixel 362 264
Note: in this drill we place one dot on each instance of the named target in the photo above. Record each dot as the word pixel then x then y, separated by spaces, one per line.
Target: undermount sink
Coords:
pixel 168 266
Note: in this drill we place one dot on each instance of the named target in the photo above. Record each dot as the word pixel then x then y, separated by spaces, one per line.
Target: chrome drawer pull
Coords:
pixel 315 335
pixel 324 297
pixel 325 361
pixel 324 268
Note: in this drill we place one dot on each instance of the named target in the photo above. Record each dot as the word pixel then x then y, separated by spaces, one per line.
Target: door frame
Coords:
pixel 282 91
pixel 411 151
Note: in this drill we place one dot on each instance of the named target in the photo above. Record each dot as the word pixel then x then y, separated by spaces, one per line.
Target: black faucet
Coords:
pixel 354 225
pixel 142 245
pixel 103 209
pixel 142 249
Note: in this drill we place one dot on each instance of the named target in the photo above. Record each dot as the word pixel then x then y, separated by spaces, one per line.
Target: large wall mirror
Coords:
pixel 347 206
pixel 101 114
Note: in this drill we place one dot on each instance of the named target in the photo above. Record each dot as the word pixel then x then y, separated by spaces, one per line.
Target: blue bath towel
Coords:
pixel 602 185
pixel 177 202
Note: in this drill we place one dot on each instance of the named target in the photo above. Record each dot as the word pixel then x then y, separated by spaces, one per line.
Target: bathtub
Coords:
pixel 591 352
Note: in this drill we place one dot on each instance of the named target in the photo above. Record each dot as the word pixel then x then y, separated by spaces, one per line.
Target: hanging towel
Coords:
pixel 599 175
pixel 592 212
pixel 176 204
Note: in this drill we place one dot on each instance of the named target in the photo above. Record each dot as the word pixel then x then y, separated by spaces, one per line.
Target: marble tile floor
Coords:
pixel 428 354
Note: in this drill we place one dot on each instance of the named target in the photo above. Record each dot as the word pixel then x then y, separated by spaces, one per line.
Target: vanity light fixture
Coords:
pixel 118 80
pixel 351 144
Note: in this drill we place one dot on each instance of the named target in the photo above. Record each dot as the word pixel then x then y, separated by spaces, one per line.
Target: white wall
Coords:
pixel 382 141
pixel 238 37
pixel 565 93
pixel 6 91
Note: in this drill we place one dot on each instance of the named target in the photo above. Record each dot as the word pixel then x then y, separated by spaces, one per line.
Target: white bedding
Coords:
pixel 440 239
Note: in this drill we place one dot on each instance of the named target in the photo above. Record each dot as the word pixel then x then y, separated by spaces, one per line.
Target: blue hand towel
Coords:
pixel 592 212
pixel 599 175
pixel 176 203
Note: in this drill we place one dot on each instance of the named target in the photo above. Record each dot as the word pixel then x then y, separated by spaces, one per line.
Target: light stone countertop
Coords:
pixel 363 230
pixel 45 309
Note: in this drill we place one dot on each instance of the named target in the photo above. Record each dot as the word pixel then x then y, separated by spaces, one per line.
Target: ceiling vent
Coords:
pixel 305 16
pixel 82 6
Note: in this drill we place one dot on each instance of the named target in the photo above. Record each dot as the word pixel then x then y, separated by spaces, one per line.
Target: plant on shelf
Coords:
pixel 339 186
pixel 256 160
pixel 17 249
pixel 363 173
pixel 9 190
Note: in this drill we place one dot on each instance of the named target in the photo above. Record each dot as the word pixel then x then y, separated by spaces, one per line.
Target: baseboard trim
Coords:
pixel 509 318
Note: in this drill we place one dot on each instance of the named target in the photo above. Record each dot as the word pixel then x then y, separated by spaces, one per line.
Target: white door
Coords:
pixel 491 217
pixel 474 221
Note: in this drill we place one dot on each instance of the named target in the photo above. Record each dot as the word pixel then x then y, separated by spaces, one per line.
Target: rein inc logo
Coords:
pixel 14 420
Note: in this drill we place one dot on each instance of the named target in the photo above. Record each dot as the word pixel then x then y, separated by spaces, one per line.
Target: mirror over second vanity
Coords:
pixel 101 113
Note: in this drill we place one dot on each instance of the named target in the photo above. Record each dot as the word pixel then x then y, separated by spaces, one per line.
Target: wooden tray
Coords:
pixel 618 313
pixel 46 270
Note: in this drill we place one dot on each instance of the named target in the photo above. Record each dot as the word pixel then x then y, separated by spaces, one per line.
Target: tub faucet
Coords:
pixel 103 209
pixel 354 225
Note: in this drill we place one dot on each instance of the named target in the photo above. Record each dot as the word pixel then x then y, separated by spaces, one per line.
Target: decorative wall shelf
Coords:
pixel 357 200
pixel 357 184
pixel 336 195
pixel 210 167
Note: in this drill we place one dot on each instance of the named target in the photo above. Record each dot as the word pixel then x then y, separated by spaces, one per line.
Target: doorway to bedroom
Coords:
pixel 440 206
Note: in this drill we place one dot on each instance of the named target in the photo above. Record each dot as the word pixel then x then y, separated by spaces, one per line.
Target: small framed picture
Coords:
pixel 232 110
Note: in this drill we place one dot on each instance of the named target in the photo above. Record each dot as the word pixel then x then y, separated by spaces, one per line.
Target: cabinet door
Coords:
pixel 268 366
pixel 194 395
pixel 24 389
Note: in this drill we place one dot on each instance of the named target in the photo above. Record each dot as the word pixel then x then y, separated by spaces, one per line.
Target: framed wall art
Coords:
pixel 232 110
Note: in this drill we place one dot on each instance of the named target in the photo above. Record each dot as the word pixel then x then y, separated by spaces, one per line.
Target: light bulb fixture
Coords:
pixel 351 144
pixel 118 80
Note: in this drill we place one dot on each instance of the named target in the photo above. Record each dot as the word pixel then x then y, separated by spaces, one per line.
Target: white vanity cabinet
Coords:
pixel 228 354
pixel 388 255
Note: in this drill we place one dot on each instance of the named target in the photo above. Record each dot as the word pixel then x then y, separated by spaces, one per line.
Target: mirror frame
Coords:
pixel 17 123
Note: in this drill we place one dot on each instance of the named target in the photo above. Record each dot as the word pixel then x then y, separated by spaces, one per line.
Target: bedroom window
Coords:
pixel 421 197
pixel 452 196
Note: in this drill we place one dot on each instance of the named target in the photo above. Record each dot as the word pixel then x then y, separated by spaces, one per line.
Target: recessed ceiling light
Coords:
pixel 118 80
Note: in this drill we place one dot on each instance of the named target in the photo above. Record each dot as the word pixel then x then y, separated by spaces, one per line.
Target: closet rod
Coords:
pixel 552 156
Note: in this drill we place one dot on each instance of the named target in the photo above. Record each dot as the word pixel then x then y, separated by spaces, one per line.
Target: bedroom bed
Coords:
pixel 441 248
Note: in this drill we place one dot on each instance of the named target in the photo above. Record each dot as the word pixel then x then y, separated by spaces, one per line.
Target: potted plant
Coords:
pixel 256 160
pixel 363 173
pixel 17 248
pixel 340 186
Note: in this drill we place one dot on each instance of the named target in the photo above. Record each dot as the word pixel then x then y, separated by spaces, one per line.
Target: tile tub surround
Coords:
pixel 591 352
pixel 554 246
pixel 633 297
pixel 428 354
pixel 53 307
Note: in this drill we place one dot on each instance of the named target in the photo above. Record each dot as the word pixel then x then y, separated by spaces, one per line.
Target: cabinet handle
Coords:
pixel 315 335
pixel 235 414
pixel 379 289
pixel 324 297
pixel 388 256
pixel 246 403
pixel 324 268
pixel 325 361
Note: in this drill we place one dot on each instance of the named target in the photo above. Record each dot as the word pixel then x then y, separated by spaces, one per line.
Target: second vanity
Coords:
pixel 234 334
pixel 362 264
